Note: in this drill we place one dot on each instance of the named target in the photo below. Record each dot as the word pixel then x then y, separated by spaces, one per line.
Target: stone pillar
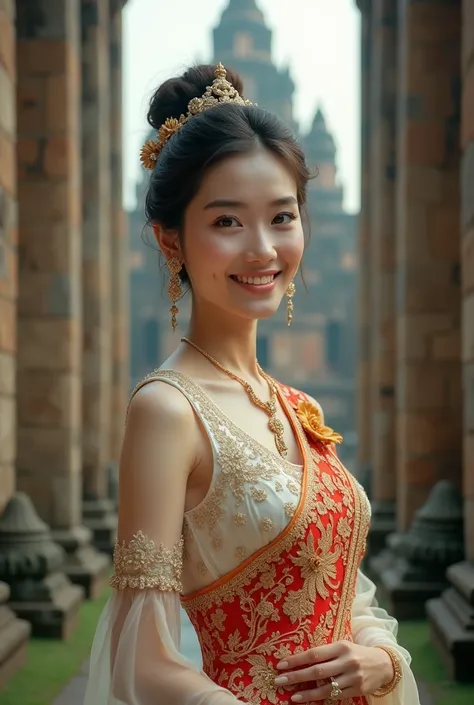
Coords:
pixel 452 616
pixel 364 410
pixel 429 398
pixel 119 238
pixel 382 238
pixel 98 512
pixel 14 633
pixel 50 281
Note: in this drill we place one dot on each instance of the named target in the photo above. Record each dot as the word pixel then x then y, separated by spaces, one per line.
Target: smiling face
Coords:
pixel 243 237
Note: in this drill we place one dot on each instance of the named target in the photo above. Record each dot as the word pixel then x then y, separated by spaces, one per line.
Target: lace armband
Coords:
pixel 141 564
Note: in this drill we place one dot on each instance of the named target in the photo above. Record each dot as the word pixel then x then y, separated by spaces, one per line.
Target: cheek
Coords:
pixel 292 250
pixel 210 255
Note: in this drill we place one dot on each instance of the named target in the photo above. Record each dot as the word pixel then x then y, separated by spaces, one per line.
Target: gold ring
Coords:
pixel 336 692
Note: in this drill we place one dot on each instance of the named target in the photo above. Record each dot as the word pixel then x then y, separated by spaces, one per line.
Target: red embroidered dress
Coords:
pixel 270 566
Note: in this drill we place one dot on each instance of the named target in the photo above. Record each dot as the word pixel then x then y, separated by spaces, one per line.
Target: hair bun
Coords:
pixel 172 97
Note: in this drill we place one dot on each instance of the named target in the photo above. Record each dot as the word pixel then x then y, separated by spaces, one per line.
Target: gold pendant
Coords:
pixel 277 428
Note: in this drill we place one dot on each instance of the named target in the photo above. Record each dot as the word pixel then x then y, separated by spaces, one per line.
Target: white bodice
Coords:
pixel 252 496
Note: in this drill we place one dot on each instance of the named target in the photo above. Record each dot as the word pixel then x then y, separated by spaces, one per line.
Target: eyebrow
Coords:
pixel 228 203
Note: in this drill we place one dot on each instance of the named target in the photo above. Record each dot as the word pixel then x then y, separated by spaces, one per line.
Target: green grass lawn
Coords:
pixel 51 663
pixel 429 668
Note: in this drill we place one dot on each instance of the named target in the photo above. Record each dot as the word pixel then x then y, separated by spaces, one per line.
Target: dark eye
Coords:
pixel 280 218
pixel 226 221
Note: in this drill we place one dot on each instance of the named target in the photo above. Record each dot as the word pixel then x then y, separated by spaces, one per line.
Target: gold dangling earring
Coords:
pixel 174 288
pixel 290 292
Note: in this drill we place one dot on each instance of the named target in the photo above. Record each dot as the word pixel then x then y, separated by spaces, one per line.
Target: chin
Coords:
pixel 260 313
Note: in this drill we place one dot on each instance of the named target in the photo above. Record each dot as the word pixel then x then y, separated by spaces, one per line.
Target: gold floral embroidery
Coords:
pixel 293 487
pixel 240 553
pixel 239 518
pixel 140 563
pixel 318 570
pixel 201 566
pixel 290 509
pixel 312 422
pixel 266 523
pixel 258 495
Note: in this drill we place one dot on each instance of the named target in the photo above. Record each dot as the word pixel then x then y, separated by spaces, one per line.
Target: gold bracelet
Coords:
pixel 397 673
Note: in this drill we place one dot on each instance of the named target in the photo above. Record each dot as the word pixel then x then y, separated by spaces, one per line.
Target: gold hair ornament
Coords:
pixel 221 91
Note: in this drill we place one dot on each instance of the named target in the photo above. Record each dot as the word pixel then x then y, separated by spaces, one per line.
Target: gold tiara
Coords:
pixel 221 91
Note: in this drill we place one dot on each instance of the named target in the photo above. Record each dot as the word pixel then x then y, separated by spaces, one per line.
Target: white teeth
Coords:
pixel 256 280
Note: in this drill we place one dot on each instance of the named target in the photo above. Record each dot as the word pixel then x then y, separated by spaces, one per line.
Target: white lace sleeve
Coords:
pixel 373 626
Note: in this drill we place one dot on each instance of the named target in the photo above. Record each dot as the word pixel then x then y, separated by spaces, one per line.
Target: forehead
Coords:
pixel 251 177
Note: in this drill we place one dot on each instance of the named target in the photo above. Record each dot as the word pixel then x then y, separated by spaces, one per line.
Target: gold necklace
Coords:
pixel 269 407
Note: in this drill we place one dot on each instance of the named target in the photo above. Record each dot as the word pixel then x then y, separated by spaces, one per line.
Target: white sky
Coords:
pixel 318 39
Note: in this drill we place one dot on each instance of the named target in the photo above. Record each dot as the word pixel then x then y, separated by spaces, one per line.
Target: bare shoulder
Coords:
pixel 161 432
pixel 159 403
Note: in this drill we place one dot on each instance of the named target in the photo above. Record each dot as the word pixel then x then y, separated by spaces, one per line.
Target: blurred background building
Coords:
pixel 317 354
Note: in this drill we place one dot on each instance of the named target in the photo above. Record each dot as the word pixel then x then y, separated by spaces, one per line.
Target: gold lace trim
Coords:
pixel 140 563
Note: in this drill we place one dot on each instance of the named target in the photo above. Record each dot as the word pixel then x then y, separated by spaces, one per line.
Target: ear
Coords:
pixel 168 242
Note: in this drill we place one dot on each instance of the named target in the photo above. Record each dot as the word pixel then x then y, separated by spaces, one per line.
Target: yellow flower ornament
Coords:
pixel 312 422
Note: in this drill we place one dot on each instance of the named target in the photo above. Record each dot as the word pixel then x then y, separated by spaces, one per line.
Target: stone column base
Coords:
pixel 451 619
pixel 382 524
pixel 85 565
pixel 404 596
pixel 32 564
pixel 14 636
pixel 412 569
pixel 55 613
pixel 100 517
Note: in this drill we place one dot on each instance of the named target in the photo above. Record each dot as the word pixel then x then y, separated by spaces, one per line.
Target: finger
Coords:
pixel 315 672
pixel 315 655
pixel 323 692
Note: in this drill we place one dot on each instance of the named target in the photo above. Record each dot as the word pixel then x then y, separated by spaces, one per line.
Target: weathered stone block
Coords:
pixel 451 620
pixel 467 180
pixel 7 374
pixel 50 344
pixel 468 261
pixel 14 636
pixel 7 429
pixel 468 328
pixel 7 159
pixel 425 143
pixel 7 105
pixel 7 326
pixel 467 130
pixel 7 38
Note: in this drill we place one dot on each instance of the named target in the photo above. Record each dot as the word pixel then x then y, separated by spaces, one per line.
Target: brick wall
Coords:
pixel 429 396
pixel 467 224
pixel 119 244
pixel 364 410
pixel 96 260
pixel 382 248
pixel 50 263
pixel 8 242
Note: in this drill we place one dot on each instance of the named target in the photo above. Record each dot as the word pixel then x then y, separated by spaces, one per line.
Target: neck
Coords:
pixel 231 341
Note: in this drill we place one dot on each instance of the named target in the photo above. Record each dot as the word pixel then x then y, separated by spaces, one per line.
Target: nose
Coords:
pixel 261 247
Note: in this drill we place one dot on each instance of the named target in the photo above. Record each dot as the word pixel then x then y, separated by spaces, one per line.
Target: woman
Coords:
pixel 232 498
